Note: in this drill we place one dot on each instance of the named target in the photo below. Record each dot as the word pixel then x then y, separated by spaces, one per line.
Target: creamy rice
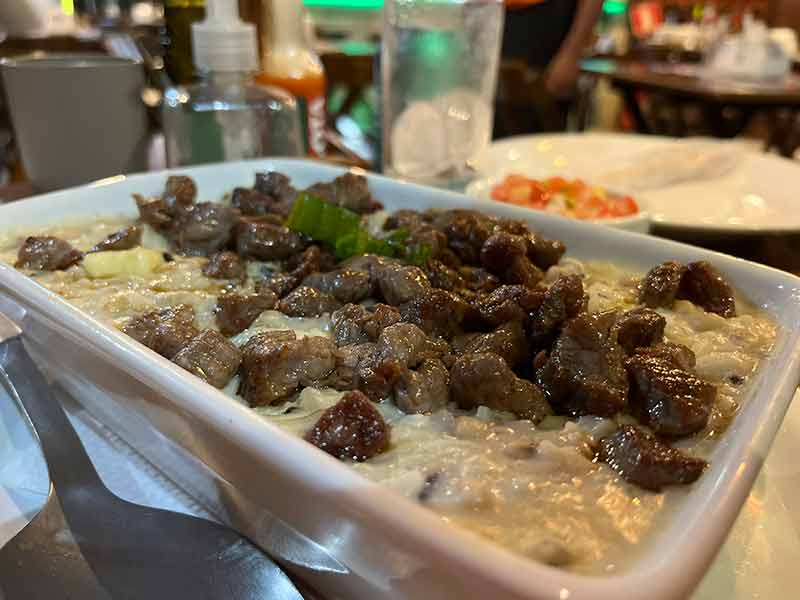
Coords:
pixel 534 489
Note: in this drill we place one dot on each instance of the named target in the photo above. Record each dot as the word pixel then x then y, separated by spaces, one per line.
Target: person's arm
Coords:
pixel 562 74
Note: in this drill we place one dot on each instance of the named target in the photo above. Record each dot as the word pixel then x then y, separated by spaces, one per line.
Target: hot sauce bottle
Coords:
pixel 289 62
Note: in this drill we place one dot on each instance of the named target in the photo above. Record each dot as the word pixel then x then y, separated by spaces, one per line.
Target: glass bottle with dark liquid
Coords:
pixel 178 18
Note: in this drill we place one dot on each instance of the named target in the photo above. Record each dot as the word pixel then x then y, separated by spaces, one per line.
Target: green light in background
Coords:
pixel 615 7
pixel 348 4
pixel 67 7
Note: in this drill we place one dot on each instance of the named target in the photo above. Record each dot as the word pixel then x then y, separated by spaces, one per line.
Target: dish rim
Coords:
pixel 685 556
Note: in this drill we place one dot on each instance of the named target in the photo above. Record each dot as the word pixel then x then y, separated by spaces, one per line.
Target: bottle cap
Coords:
pixel 223 42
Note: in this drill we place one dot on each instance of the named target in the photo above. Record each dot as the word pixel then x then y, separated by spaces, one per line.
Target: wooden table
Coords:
pixel 727 106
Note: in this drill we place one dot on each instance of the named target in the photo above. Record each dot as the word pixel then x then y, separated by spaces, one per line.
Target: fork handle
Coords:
pixel 68 463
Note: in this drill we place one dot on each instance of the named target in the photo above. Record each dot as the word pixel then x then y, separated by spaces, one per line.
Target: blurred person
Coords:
pixel 548 37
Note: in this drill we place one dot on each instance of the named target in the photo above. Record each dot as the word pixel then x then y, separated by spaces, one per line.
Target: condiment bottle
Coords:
pixel 177 35
pixel 289 62
pixel 225 115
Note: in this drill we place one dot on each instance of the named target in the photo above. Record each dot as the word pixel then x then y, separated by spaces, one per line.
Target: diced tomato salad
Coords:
pixel 567 197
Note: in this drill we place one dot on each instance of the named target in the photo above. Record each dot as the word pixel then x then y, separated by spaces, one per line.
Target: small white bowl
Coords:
pixel 481 188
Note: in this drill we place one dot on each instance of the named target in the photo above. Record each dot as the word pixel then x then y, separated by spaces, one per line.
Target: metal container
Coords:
pixel 76 117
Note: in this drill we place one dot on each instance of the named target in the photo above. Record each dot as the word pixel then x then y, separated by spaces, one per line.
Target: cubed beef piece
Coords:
pixel 205 229
pixel 424 389
pixel 659 288
pixel 263 240
pixel 437 312
pixel 236 312
pixel 225 265
pixel 47 253
pixel 642 460
pixel 307 302
pixel 638 328
pixel 507 341
pixel 124 239
pixel 585 373
pixel 703 285
pixel 211 356
pixel 346 285
pixel 484 379
pixel 354 324
pixel 165 331
pixel 671 401
pixel 352 429
pixel 563 300
pixel 276 365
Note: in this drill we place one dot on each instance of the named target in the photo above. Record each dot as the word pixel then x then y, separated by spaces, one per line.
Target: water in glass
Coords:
pixel 439 71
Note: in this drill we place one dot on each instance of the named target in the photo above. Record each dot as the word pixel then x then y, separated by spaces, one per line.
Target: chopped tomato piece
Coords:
pixel 572 198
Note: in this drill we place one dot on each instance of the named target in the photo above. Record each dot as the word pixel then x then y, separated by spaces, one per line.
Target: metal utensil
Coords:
pixel 88 543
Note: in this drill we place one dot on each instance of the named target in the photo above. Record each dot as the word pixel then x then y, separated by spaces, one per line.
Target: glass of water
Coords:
pixel 439 72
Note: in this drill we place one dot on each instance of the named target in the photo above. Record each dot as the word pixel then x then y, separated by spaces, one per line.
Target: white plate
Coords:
pixel 639 223
pixel 370 543
pixel 758 196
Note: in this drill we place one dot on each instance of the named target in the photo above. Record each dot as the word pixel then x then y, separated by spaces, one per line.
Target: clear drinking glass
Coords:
pixel 439 72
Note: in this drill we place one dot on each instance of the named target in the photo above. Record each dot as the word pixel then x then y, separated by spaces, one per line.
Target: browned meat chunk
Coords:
pixel 677 355
pixel 543 252
pixel 466 232
pixel 349 191
pixel 563 300
pixel 275 185
pixel 642 460
pixel 348 360
pixel 154 212
pixel 425 389
pixel 180 192
pixel 704 286
pixel 485 379
pixel 501 249
pixel 225 265
pixel 278 283
pixel 437 312
pixel 307 302
pixel 275 365
pixel 210 356
pixel 311 260
pixel 443 277
pixel 205 229
pixel 477 279
pixel 659 288
pixel 585 373
pixel 509 303
pixel 522 271
pixel 262 240
pixel 408 345
pixel 251 203
pixel 507 341
pixel 401 283
pixel 404 219
pixel 430 237
pixel 370 263
pixel 346 285
pixel 354 324
pixel 47 253
pixel 382 370
pixel 640 327
pixel 671 401
pixel 352 429
pixel 124 239
pixel 236 312
pixel 165 331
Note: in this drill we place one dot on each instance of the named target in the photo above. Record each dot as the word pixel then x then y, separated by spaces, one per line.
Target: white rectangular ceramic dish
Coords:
pixel 352 538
